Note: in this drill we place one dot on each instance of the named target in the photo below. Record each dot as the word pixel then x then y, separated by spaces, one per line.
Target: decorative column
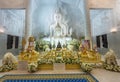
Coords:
pixel 28 19
pixel 88 35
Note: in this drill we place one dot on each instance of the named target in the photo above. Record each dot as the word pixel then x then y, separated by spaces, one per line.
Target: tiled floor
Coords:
pixel 106 76
pixel 100 74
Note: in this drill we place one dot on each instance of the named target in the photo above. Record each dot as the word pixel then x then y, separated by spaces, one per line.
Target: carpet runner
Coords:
pixel 49 78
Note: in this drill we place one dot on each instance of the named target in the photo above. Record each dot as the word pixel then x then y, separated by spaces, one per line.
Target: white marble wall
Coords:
pixel 117 14
pixel 3 46
pixel 103 21
pixel 13 23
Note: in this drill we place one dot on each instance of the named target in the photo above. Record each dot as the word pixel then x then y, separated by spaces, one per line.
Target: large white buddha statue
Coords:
pixel 59 29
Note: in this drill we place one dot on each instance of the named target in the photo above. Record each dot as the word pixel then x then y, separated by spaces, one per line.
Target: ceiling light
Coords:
pixel 1 31
pixel 113 30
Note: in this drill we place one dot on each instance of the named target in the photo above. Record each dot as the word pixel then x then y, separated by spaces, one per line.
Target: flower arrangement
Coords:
pixel 110 67
pixel 111 62
pixel 73 44
pixel 68 60
pixel 51 60
pixel 32 67
pixel 41 45
pixel 42 61
pixel 86 67
pixel 9 62
pixel 9 67
pixel 58 59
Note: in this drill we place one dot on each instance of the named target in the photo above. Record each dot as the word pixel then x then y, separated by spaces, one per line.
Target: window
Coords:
pixel 102 41
pixel 12 42
pixel 9 42
pixel 16 41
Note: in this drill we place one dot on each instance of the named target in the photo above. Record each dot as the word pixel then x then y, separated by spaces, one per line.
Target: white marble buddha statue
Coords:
pixel 58 28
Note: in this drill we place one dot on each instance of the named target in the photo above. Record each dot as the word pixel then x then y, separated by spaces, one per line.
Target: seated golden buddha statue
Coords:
pixel 89 56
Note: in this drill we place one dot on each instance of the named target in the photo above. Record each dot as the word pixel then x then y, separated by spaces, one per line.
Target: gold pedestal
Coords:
pixel 45 67
pixel 72 66
pixel 67 67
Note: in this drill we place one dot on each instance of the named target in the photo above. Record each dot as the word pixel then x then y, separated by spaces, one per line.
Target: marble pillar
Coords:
pixel 88 34
pixel 28 19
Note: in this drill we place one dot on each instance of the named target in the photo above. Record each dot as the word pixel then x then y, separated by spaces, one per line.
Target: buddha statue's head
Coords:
pixel 57 15
pixel 31 39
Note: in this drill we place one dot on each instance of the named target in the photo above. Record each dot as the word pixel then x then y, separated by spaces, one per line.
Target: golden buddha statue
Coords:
pixel 29 54
pixel 88 55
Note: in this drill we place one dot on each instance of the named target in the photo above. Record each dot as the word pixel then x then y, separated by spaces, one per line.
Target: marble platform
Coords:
pixel 101 75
